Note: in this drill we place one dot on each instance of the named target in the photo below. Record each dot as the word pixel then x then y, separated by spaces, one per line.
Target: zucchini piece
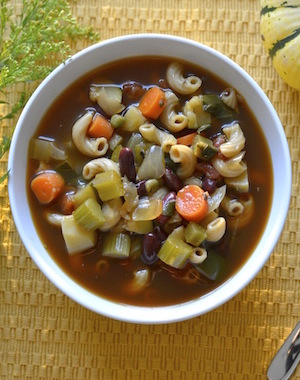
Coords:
pixel 117 245
pixel 213 267
pixel 203 148
pixel 89 215
pixel 213 104
pixel 108 185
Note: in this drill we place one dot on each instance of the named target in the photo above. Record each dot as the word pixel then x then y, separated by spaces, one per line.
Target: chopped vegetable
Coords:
pixel 117 121
pixel 153 165
pixel 108 185
pixel 45 150
pixel 147 209
pixel 89 215
pixel 47 186
pixel 187 139
pixel 175 251
pixel 191 203
pixel 116 245
pixel 100 127
pixel 195 234
pixel 83 194
pixel 213 267
pixel 77 239
pixel 152 103
pixel 213 104
pixel 203 148
pixel 109 98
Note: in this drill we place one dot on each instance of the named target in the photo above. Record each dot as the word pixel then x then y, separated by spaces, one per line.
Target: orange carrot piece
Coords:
pixel 67 203
pixel 47 186
pixel 191 203
pixel 187 139
pixel 100 127
pixel 152 103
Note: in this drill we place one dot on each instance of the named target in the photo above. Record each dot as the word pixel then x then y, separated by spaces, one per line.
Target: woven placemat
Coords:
pixel 45 335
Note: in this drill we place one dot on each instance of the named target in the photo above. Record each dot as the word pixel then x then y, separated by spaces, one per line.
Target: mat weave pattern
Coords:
pixel 45 335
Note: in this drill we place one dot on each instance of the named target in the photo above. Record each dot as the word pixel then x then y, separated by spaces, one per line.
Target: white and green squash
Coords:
pixel 280 31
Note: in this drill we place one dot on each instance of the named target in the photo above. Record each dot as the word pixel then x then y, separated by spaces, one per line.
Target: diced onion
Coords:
pixel 216 198
pixel 153 165
pixel 147 209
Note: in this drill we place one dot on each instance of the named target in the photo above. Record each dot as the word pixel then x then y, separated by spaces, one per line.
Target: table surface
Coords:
pixel 45 335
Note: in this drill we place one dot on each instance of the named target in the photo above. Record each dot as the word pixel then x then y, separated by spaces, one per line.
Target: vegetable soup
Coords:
pixel 149 181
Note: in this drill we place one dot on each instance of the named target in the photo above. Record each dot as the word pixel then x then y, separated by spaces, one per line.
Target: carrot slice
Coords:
pixel 152 103
pixel 47 186
pixel 187 139
pixel 100 127
pixel 191 203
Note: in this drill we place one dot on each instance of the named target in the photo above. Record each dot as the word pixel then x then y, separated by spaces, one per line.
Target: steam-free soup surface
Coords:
pixel 110 278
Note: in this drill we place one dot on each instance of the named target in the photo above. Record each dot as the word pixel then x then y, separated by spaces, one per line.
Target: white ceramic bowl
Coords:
pixel 158 45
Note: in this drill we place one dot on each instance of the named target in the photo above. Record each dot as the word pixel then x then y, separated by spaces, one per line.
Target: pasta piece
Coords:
pixel 236 141
pixel 88 146
pixel 99 165
pixel 232 167
pixel 198 255
pixel 196 116
pixel 239 183
pixel 215 230
pixel 232 206
pixel 111 213
pixel 179 83
pixel 151 133
pixel 243 219
pixel 184 155
pixel 229 97
pixel 171 119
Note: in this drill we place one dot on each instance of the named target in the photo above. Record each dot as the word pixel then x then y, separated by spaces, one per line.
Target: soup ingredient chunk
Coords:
pixel 47 186
pixel 152 103
pixel 100 127
pixel 191 203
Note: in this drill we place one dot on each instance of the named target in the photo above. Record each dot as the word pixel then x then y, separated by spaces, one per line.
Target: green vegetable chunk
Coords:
pixel 89 215
pixel 117 245
pixel 108 185
pixel 203 148
pixel 84 194
pixel 175 251
pixel 213 267
pixel 213 104
pixel 195 234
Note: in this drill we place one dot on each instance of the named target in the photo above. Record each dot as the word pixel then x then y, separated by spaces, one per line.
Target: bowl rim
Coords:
pixel 157 314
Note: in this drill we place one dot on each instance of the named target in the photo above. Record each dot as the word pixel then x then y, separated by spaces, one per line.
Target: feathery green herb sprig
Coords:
pixel 32 45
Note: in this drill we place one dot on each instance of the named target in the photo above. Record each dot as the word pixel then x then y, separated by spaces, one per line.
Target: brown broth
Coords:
pixel 166 288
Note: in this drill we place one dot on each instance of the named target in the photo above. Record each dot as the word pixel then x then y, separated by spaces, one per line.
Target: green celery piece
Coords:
pixel 116 245
pixel 213 267
pixel 84 194
pixel 195 234
pixel 89 215
pixel 108 185
pixel 175 251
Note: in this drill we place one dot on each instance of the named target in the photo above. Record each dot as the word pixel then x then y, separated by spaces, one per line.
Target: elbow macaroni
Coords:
pixel 196 116
pixel 179 83
pixel 99 165
pixel 170 118
pixel 232 167
pixel 89 146
pixel 151 133
pixel 232 206
pixel 236 141
pixel 215 230
pixel 183 155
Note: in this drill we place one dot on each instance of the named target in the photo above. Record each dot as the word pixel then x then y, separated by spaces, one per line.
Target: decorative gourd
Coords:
pixel 280 31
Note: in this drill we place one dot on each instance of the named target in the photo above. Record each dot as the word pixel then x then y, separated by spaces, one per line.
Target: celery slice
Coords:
pixel 108 185
pixel 175 252
pixel 116 245
pixel 213 267
pixel 83 194
pixel 195 234
pixel 89 215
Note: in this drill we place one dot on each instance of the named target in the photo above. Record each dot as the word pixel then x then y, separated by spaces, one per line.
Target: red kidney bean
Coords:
pixel 160 233
pixel 151 245
pixel 172 180
pixel 132 91
pixel 208 170
pixel 168 202
pixel 141 188
pixel 208 184
pixel 126 163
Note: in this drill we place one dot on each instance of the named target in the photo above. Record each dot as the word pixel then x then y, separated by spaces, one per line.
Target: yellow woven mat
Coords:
pixel 44 335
